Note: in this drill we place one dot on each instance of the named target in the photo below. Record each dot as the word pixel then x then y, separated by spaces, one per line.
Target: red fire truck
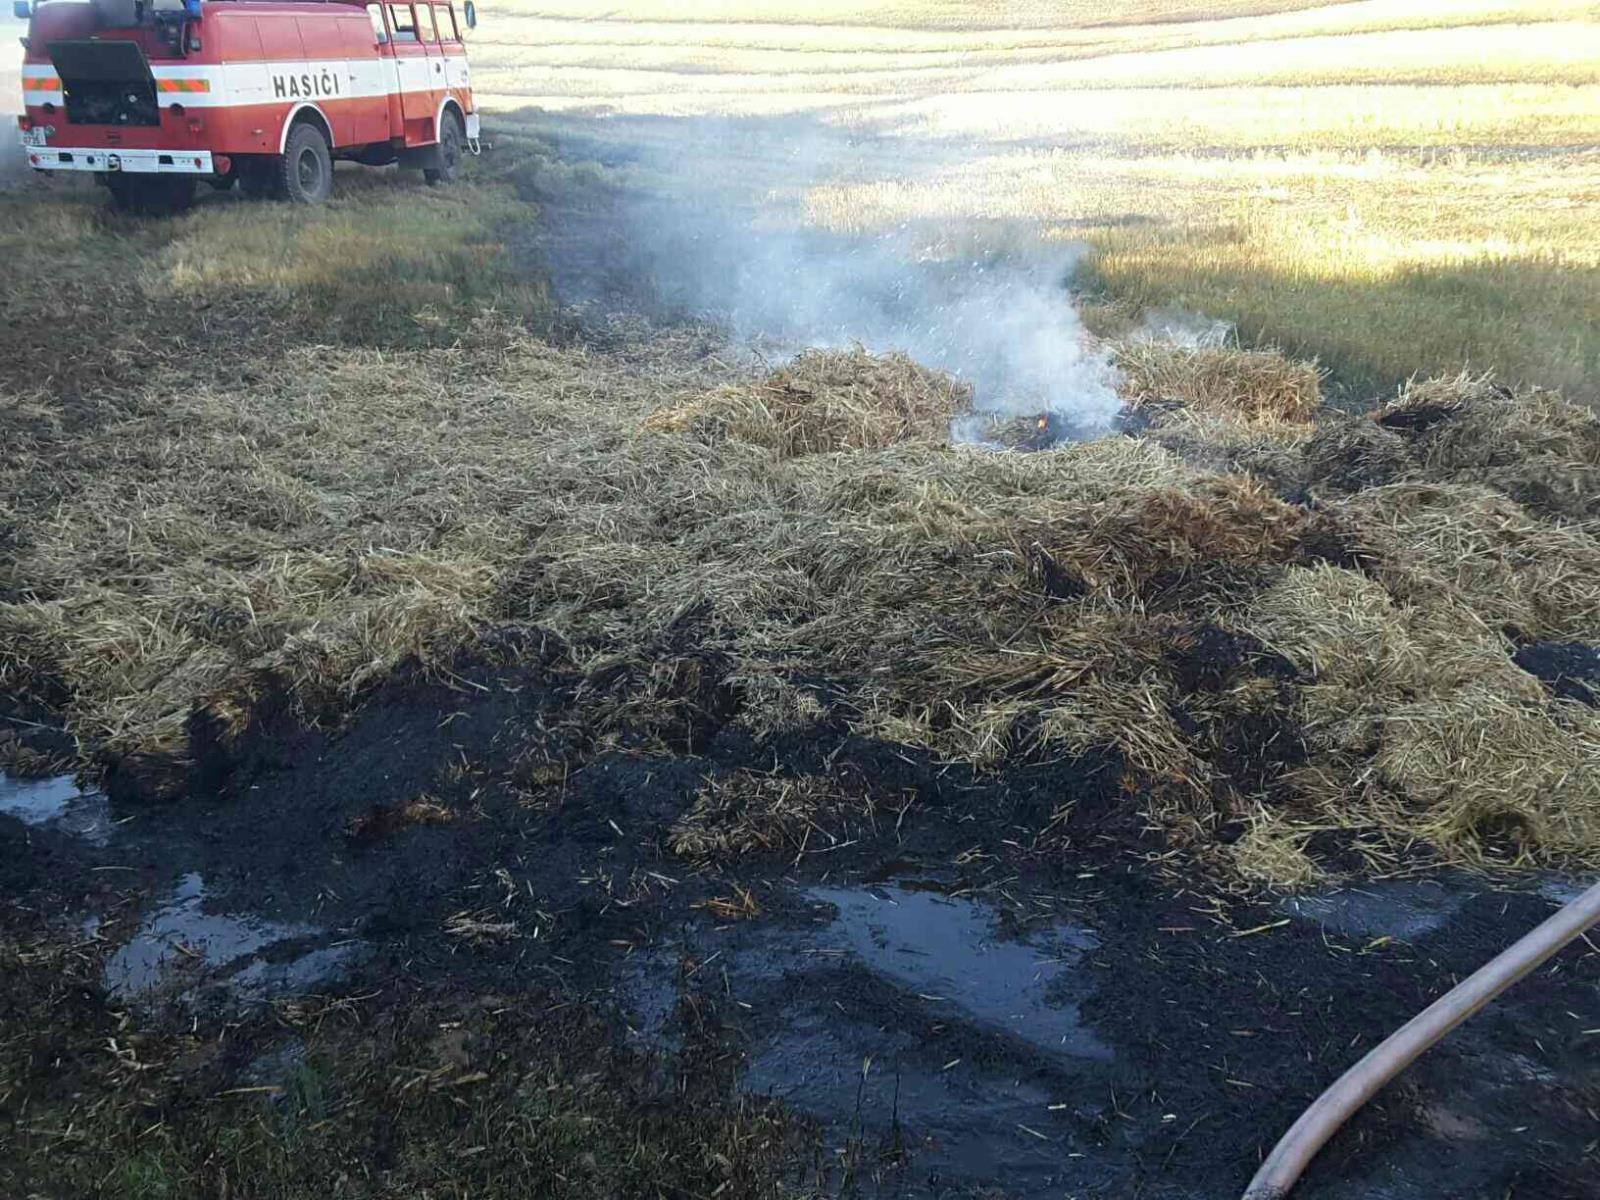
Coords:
pixel 153 96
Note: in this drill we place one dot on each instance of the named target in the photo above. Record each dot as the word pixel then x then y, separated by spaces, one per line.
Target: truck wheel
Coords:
pixel 306 168
pixel 154 195
pixel 452 140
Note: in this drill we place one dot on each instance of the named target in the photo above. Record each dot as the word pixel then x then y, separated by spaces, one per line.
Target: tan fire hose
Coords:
pixel 1400 1049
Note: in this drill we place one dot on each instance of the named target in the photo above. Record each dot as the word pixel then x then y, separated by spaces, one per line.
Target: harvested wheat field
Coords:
pixel 613 680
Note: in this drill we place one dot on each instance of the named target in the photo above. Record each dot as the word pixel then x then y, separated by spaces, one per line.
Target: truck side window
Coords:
pixel 400 21
pixel 379 33
pixel 446 16
pixel 425 29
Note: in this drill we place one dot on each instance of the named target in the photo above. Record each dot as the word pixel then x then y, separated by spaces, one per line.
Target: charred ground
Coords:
pixel 546 1003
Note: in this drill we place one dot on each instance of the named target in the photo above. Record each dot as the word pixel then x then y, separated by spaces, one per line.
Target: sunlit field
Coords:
pixel 1389 186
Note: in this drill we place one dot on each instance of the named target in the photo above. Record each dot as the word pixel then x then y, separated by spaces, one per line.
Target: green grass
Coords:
pixel 380 253
pixel 520 1103
pixel 1527 312
pixel 386 260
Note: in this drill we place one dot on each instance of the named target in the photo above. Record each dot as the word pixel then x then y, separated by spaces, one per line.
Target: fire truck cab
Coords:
pixel 153 96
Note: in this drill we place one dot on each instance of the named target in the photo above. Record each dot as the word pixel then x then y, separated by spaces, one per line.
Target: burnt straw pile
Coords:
pixel 1311 638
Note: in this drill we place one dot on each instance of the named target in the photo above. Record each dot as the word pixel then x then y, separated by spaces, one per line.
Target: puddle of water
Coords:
pixel 36 801
pixel 261 980
pixel 957 1121
pixel 903 1017
pixel 1397 909
pixel 181 944
pixel 965 1109
pixel 57 802
pixel 939 946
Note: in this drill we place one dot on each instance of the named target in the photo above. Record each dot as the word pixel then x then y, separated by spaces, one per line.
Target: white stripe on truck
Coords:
pixel 289 82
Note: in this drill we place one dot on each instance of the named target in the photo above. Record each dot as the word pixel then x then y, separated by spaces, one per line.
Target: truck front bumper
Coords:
pixel 131 162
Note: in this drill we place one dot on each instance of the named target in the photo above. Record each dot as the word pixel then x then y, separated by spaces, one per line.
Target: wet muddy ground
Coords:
pixel 954 997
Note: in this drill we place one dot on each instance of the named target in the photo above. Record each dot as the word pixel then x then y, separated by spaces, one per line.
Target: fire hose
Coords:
pixel 1295 1150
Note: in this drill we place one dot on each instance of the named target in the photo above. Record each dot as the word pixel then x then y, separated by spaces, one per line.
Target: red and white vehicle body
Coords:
pixel 220 89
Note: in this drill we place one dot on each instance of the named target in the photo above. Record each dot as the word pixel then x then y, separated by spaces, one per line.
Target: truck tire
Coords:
pixel 452 145
pixel 152 195
pixel 306 166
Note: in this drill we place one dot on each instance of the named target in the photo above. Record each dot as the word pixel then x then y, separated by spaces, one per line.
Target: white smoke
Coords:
pixel 1181 327
pixel 711 225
